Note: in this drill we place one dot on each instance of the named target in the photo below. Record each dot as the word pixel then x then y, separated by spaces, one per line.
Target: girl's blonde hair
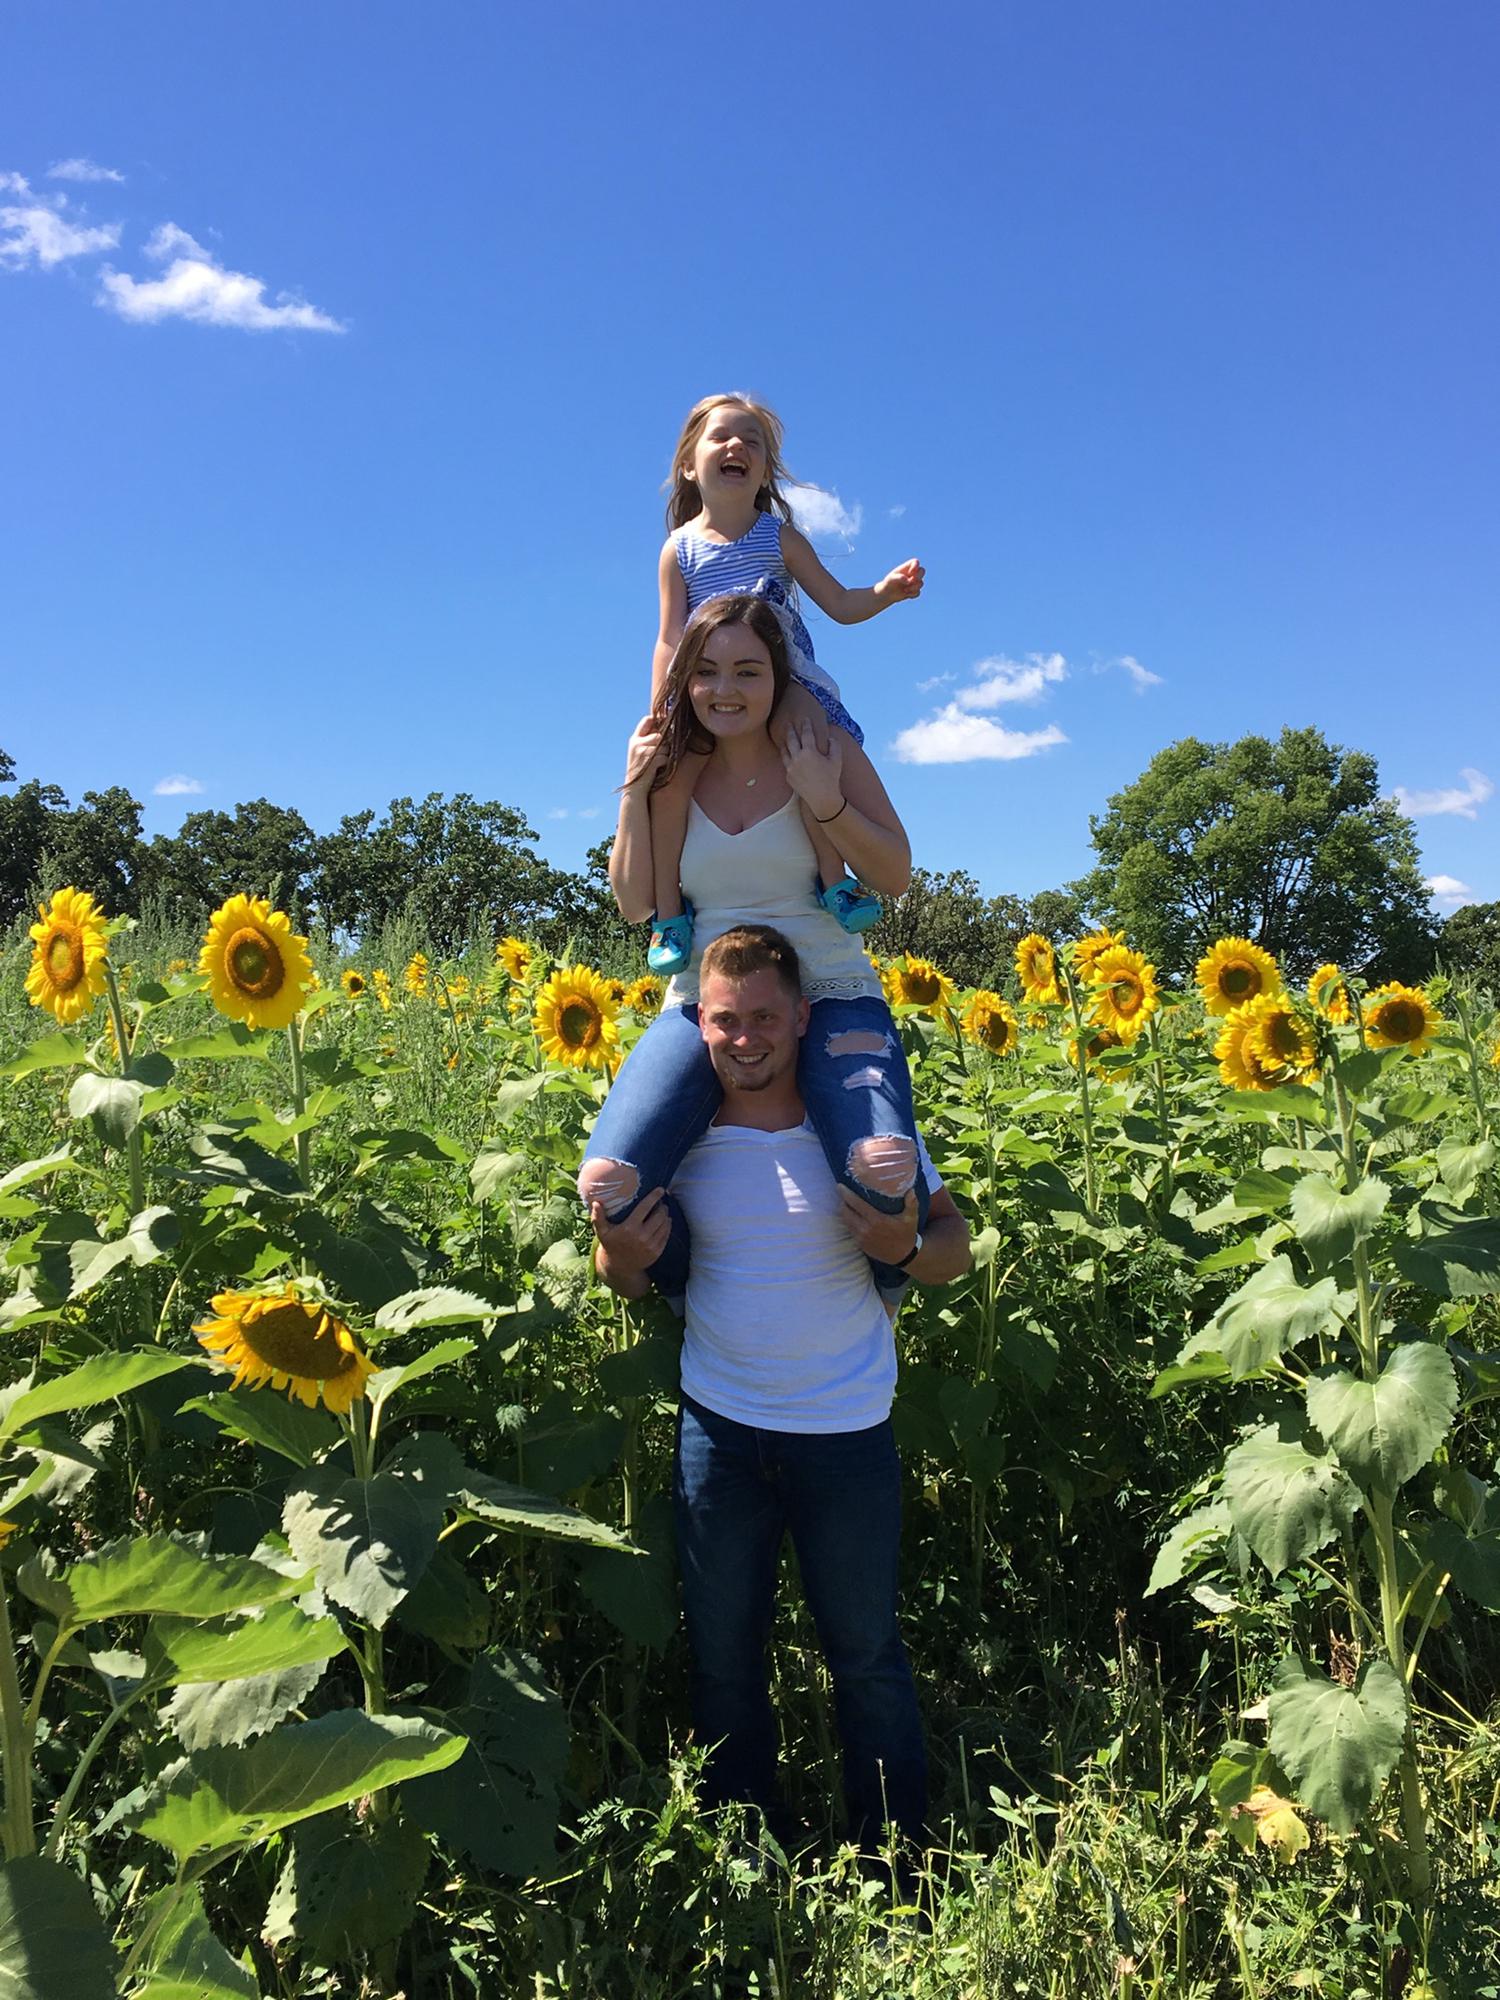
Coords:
pixel 682 732
pixel 685 502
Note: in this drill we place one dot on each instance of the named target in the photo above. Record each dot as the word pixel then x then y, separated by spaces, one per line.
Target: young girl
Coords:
pixel 731 531
pixel 747 859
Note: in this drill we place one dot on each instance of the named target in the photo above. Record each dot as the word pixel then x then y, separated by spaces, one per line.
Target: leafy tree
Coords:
pixel 259 849
pixel 1470 943
pixel 25 818
pixel 98 846
pixel 585 920
pixel 948 919
pixel 452 865
pixel 1288 843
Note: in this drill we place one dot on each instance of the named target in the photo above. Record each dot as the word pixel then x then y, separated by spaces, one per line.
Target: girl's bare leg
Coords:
pixel 669 816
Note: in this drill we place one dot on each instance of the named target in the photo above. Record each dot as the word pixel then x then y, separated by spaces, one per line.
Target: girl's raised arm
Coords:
pixel 845 606
pixel 674 613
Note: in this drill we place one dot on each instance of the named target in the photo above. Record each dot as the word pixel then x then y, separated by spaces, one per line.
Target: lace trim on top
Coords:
pixel 812 989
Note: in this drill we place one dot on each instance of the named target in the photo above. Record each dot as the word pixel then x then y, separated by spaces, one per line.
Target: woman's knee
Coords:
pixel 885 1165
pixel 614 1184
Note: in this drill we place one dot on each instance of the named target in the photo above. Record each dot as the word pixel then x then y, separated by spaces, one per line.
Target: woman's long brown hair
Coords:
pixel 682 733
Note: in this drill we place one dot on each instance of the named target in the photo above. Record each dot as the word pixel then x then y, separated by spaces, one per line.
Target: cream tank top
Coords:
pixel 766 875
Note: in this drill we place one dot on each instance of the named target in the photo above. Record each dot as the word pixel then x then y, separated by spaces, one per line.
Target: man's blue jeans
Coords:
pixel 736 1491
pixel 854 1082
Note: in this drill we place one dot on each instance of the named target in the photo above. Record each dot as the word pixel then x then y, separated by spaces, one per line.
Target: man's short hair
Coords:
pixel 752 948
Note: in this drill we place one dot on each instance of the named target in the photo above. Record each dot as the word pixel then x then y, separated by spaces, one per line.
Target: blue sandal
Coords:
pixel 671 946
pixel 856 909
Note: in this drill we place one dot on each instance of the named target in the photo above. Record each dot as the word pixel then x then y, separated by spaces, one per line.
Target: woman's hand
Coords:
pixel 644 755
pixel 816 776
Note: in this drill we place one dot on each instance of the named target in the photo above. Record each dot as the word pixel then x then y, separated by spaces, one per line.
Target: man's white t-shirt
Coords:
pixel 784 1328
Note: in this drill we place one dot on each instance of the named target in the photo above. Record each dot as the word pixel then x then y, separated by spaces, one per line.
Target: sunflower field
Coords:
pixel 338 1627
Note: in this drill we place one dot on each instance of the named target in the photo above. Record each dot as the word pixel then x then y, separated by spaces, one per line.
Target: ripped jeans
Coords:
pixel 854 1081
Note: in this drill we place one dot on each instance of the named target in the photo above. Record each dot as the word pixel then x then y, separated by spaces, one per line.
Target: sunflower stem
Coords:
pixel 15 1743
pixel 1080 1043
pixel 122 1044
pixel 299 1101
pixel 1167 1189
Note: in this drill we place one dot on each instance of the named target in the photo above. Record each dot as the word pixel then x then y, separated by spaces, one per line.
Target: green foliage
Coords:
pixel 52 1944
pixel 1339 1744
pixel 1469 944
pixel 1289 844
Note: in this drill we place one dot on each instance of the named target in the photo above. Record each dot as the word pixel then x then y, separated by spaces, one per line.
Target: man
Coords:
pixel 788 1367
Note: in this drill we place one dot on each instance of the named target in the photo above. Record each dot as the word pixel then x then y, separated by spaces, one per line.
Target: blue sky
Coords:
pixel 345 348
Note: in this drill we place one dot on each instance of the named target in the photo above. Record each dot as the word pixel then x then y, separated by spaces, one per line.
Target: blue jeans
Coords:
pixel 666 1094
pixel 736 1492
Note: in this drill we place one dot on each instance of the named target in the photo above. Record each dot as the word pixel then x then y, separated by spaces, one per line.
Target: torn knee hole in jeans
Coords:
pixel 859 1042
pixel 864 1079
pixel 885 1165
pixel 612 1183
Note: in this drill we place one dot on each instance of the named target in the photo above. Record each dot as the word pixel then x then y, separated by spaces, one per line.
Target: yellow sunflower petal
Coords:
pixel 258 970
pixel 1328 994
pixel 917 982
pixel 991 1022
pixel 69 947
pixel 574 1018
pixel 1233 972
pixel 515 957
pixel 1124 991
pixel 1398 1016
pixel 280 1339
pixel 1265 1044
pixel 1036 968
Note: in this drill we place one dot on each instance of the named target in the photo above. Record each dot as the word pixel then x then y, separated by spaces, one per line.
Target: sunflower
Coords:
pixel 1098 1044
pixel 991 1022
pixel 1086 950
pixel 1398 1016
pixel 1124 996
pixel 616 990
pixel 1495 1056
pixel 1232 972
pixel 258 971
pixel 67 964
pixel 289 1343
pixel 1329 995
pixel 354 984
pixel 916 982
pixel 175 966
pixel 416 974
pixel 575 1019
pixel 1036 966
pixel 380 979
pixel 643 995
pixel 515 956
pixel 1266 1043
pixel 7 1529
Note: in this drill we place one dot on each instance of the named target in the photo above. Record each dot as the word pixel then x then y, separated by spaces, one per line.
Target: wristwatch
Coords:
pixel 902 1262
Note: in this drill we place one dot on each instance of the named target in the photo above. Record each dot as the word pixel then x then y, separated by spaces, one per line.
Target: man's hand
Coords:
pixel 628 1249
pixel 905 581
pixel 886 1238
pixel 816 776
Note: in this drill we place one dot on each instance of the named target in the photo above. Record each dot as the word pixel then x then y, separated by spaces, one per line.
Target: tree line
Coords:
pixel 1289 843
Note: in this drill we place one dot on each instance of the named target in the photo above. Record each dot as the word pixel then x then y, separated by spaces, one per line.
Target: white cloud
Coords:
pixel 822 515
pixel 79 169
pixel 35 230
pixel 1141 677
pixel 195 286
pixel 176 787
pixel 895 513
pixel 952 737
pixel 588 812
pixel 1449 891
pixel 557 812
pixel 1000 680
pixel 1463 800
pixel 937 681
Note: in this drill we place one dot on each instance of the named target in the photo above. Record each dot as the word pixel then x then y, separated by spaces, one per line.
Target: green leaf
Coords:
pixel 1457 1256
pixel 378 1148
pixel 1363 1067
pixel 1463 1167
pixel 281 1636
pixel 230 1159
pixel 1419 1106
pixel 228 1042
pixel 1255 1193
pixel 1471 1556
pixel 1289 1100
pixel 282 1425
pixel 447 1605
pixel 100 1379
pixel 153 1574
pixel 203 1714
pixel 1186 1541
pixel 349 1886
pixel 52 1052
pixel 1338 1745
pixel 1330 1223
pixel 1285 1500
pixel 112 1103
pixel 367 1541
pixel 35 1170
pixel 967 1406
pixel 639 1598
pixel 493 1168
pixel 185 1961
pixel 500 1806
pixel 52 1943
pixel 230 1798
pixel 509 1098
pixel 1386 1430
pixel 651 1365
pixel 502 1505
pixel 432 1305
pixel 1268 1315
pixel 385 1384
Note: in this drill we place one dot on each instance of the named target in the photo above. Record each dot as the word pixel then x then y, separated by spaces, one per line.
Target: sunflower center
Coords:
pixel 578 1025
pixel 1400 1021
pixel 65 958
pixel 922 987
pixel 1239 982
pixel 254 964
pixel 296 1341
pixel 1128 995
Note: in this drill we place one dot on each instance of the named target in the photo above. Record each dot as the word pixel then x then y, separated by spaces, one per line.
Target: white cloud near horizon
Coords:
pixel 176 787
pixel 962 733
pixel 81 169
pixel 34 230
pixel 1141 677
pixel 1462 800
pixel 1448 890
pixel 195 286
pixel 822 516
